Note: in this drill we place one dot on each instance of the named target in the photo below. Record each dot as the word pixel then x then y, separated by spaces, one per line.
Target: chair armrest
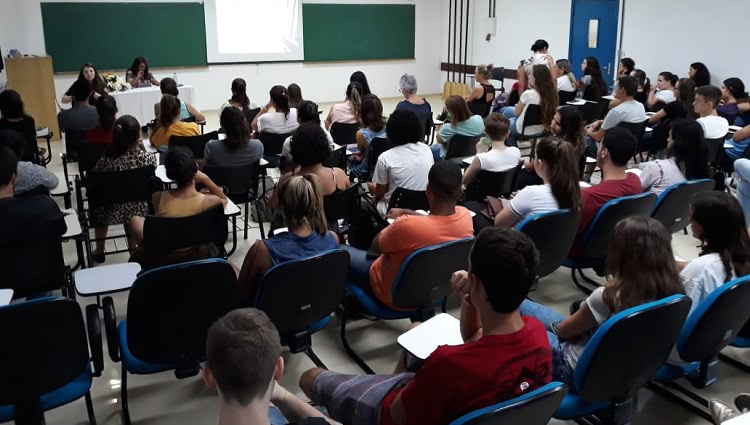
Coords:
pixel 110 326
pixel 94 327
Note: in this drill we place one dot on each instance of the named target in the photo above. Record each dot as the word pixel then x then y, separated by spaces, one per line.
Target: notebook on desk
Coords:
pixel 421 341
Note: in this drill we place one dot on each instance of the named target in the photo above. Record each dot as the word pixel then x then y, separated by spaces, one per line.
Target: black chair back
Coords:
pixel 599 232
pixel 462 146
pixel 424 278
pixel 715 147
pixel 171 308
pixel 272 143
pixel 377 146
pixel 409 199
pixel 162 236
pixel 197 144
pixel 250 114
pixel 299 293
pixel 615 367
pixel 337 159
pixel 241 182
pixel 637 129
pixel 566 96
pixel 553 250
pixel 115 187
pixel 426 119
pixel 533 117
pixel 593 111
pixel 89 154
pixel 344 134
pixel 489 183
pixel 673 206
pixel 481 109
pixel 44 348
pixel 74 138
pixel 342 205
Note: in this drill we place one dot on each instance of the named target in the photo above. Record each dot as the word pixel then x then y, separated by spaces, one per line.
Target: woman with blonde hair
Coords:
pixel 566 80
pixel 462 123
pixel 301 202
pixel 484 93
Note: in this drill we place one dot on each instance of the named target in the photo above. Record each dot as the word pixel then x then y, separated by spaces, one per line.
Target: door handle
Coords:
pixel 609 65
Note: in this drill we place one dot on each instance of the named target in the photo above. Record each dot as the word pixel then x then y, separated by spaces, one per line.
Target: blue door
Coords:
pixel 593 32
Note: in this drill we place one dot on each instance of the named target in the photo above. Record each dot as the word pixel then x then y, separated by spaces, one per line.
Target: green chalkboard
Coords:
pixel 111 35
pixel 343 32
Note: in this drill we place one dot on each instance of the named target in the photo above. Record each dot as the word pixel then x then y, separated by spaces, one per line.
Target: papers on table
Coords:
pixel 421 341
pixel 106 279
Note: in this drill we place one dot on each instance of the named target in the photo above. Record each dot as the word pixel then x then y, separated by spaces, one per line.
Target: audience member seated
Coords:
pixel 407 164
pixel 295 95
pixel 238 148
pixel 186 200
pixel 592 85
pixel 556 162
pixel 360 78
pixel 640 247
pixel 740 142
pixel 373 126
pixel 717 221
pixel 125 153
pixel 492 153
pixel 29 175
pixel 542 91
pixel 301 202
pixel 504 354
pixel 242 338
pixel 169 86
pixel 644 88
pixel 540 57
pixel 687 159
pixel 306 113
pixel 309 148
pixel 566 81
pixel 81 116
pixel 462 123
pixel 628 111
pixel 169 123
pixel 699 73
pixel 734 100
pixel 14 118
pixel 348 112
pixel 656 140
pixel 742 170
pixel 283 120
pixel 662 93
pixel 90 74
pixel 627 65
pixel 239 98
pixel 410 232
pixel 106 108
pixel 139 75
pixel 707 99
pixel 408 86
pixel 483 94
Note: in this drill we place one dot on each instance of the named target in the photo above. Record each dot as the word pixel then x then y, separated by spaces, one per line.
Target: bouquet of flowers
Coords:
pixel 114 83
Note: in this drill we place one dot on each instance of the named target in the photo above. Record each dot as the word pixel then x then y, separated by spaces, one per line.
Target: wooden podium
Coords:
pixel 32 78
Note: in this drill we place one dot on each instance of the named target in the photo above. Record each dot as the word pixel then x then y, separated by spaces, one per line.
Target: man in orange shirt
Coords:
pixel 412 231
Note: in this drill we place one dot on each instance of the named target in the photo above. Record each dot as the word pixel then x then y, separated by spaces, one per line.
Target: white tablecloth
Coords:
pixel 140 102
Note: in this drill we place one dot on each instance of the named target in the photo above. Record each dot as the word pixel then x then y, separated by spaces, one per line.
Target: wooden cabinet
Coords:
pixel 32 78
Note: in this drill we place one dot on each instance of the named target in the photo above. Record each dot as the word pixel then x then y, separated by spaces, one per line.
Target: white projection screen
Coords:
pixel 253 30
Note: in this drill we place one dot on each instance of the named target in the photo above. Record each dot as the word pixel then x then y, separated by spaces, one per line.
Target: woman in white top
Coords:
pixel 283 120
pixel 540 57
pixel 239 98
pixel 542 92
pixel 717 221
pixel 566 81
pixel 687 155
pixel 492 153
pixel 349 111
pixel 663 92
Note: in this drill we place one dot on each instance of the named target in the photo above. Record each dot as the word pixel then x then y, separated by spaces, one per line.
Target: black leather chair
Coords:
pixel 74 138
pixel 344 134
pixel 637 130
pixel 460 147
pixel 409 199
pixel 197 144
pixel 299 297
pixel 673 206
pixel 89 154
pixel 715 147
pixel 488 183
pixel 594 111
pixel 566 96
pixel 45 360
pixel 250 114
pixel 272 146
pixel 532 408
pixel 241 185
pixel 553 234
pixel 337 159
pixel 170 310
pixel 343 205
pixel 377 146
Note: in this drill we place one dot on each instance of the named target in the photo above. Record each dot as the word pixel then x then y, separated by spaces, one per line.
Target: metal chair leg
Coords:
pixel 124 397
pixel 315 359
pixel 578 284
pixel 90 409
pixel 361 363
pixel 234 237
pixel 260 219
pixel 247 210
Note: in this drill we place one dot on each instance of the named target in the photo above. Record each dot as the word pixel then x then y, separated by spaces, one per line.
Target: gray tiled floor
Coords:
pixel 161 399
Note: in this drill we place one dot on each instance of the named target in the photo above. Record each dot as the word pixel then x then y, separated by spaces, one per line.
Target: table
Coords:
pixel 5 296
pixel 62 189
pixel 140 102
pixel 104 280
pixel 421 341
pixel 74 232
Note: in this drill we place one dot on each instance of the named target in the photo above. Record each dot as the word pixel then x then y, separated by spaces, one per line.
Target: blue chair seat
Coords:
pixel 64 395
pixel 133 364
pixel 573 406
pixel 580 263
pixel 375 307
pixel 741 342
pixel 670 372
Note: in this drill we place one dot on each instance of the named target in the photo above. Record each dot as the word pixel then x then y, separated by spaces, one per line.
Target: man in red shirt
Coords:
pixel 503 356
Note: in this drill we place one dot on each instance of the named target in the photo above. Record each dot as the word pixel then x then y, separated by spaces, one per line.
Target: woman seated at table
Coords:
pixel 124 153
pixel 462 123
pixel 348 112
pixel 14 118
pixel 169 123
pixel 492 153
pixel 373 127
pixel 483 95
pixel 302 209
pixel 408 85
pixel 662 93
pixel 238 148
pixel 139 75
pixel 592 84
pixel 283 120
pixel 239 98
pixel 169 86
pixel 306 113
pixel 106 108
pixel 90 74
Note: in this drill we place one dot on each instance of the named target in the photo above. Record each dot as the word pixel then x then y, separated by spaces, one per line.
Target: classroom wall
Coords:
pixel 22 29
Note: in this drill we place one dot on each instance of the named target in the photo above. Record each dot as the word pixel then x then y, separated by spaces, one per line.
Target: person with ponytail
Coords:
pixel 644 87
pixel 106 108
pixel 592 85
pixel 124 153
pixel 484 92
pixel 542 92
pixel 301 201
pixel 239 148
pixel 239 98
pixel 566 80
pixel 284 118
pixel 662 93
pixel 734 99
pixel 717 221
pixel 169 123
pixel 350 111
